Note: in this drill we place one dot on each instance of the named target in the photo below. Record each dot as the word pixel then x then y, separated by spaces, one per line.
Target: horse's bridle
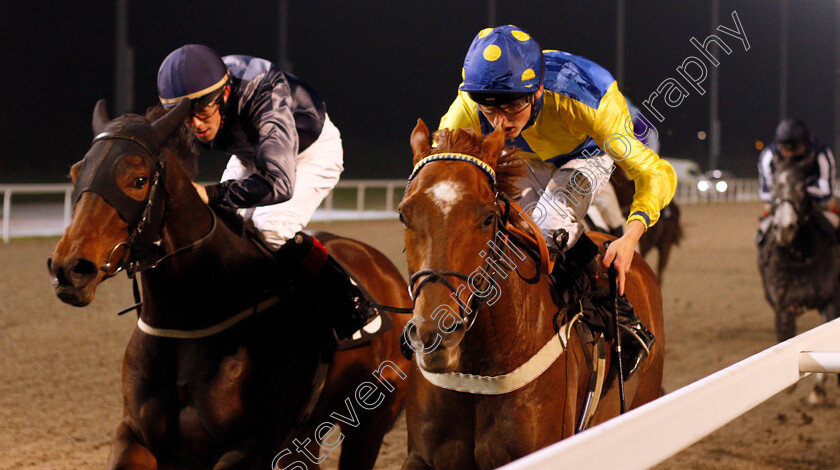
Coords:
pixel 144 218
pixel 423 277
pixel 803 211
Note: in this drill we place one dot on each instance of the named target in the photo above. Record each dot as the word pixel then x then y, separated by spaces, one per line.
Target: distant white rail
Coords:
pixel 650 434
pixel 361 186
pixel 45 222
pixel 8 190
pixel 739 190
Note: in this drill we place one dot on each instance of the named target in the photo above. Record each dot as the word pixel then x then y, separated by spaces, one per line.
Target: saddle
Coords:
pixel 576 271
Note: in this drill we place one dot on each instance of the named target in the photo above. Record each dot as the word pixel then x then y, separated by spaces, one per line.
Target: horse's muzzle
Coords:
pixel 72 280
pixel 436 350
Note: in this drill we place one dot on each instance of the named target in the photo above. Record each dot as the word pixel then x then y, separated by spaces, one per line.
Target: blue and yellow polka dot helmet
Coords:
pixel 501 61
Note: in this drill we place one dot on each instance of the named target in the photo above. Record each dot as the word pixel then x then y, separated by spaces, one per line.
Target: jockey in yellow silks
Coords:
pixel 566 113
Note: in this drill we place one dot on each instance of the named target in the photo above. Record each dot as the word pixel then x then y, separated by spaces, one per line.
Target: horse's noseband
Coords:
pixel 468 310
pixel 426 276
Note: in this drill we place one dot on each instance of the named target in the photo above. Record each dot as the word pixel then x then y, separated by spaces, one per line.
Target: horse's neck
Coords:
pixel 213 273
pixel 518 324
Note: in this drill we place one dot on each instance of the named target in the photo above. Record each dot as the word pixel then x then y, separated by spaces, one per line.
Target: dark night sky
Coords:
pixel 382 64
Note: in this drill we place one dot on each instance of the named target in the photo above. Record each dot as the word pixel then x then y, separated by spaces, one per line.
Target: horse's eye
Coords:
pixel 402 219
pixel 489 220
pixel 140 182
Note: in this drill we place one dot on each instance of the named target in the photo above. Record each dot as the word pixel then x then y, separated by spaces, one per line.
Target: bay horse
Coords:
pixel 798 255
pixel 492 379
pixel 663 236
pixel 228 367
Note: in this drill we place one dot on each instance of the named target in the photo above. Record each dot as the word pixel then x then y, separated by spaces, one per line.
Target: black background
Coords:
pixel 380 65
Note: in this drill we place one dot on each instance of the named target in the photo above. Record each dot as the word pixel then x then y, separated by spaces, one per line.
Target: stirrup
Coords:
pixel 563 235
pixel 355 310
pixel 635 351
pixel 362 313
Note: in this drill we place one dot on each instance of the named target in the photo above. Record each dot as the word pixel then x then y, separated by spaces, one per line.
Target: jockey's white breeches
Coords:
pixel 317 172
pixel 608 207
pixel 558 197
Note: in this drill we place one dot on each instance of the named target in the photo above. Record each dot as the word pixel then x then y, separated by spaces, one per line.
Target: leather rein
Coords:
pixel 145 239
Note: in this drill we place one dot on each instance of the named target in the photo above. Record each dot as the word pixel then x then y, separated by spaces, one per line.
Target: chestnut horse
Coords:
pixel 228 367
pixel 482 392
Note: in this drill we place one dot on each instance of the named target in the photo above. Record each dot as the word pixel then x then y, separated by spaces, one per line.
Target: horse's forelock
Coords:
pixel 464 141
pixel 508 165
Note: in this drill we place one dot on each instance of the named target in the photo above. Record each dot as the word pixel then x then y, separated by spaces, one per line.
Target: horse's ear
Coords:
pixel 420 141
pixel 492 146
pixel 166 125
pixel 75 170
pixel 100 117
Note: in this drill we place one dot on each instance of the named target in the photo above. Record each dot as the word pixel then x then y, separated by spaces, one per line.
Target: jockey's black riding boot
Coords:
pixel 636 338
pixel 348 309
pixel 637 349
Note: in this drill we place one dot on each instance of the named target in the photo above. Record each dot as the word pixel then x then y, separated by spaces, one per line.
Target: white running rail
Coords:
pixel 739 190
pixel 47 224
pixel 646 436
pixel 10 189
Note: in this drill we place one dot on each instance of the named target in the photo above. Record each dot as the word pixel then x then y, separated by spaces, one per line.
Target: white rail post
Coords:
pixel 645 436
pixel 7 213
pixel 360 199
pixel 328 205
pixel 68 206
pixel 389 197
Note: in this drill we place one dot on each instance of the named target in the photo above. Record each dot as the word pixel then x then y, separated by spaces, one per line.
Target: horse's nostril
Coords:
pixel 84 268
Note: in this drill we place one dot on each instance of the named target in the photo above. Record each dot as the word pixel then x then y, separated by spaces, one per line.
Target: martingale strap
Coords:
pixel 457 157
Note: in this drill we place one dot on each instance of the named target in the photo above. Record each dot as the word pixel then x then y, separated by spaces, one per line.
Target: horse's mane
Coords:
pixel 508 165
pixel 182 144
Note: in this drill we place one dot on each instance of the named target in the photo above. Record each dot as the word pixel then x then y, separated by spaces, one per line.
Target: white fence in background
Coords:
pixel 44 219
pixel 28 219
pixel 738 190
pixel 650 434
pixel 38 220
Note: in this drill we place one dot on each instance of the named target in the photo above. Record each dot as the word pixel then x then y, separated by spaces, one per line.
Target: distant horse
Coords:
pixel 493 379
pixel 225 369
pixel 665 235
pixel 798 255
